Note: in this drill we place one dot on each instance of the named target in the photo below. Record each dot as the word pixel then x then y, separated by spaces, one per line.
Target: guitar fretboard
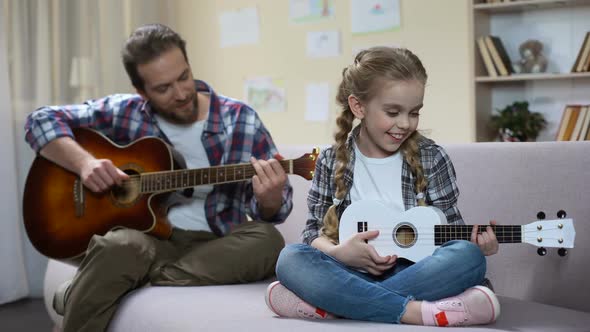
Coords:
pixel 186 178
pixel 504 233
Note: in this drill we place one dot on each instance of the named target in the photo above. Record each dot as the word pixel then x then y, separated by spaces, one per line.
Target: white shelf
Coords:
pixel 527 5
pixel 532 77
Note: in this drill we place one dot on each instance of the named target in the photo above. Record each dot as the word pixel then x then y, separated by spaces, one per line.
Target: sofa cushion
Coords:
pixel 242 307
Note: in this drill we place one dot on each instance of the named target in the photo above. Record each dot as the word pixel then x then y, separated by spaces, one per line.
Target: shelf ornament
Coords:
pixel 532 59
pixel 516 123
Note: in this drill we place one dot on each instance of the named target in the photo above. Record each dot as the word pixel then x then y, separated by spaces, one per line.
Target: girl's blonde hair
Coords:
pixel 359 79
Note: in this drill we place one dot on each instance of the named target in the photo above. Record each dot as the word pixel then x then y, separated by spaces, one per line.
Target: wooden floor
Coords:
pixel 28 315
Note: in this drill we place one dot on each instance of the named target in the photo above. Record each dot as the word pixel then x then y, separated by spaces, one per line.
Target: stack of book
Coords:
pixel 494 56
pixel 575 124
pixel 582 63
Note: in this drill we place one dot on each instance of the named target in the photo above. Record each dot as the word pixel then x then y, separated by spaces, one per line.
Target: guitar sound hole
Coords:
pixel 404 235
pixel 128 192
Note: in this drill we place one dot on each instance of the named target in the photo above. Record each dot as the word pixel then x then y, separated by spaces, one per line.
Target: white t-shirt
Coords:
pixel 378 179
pixel 187 140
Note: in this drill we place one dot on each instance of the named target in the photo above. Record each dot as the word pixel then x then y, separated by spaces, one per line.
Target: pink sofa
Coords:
pixel 509 182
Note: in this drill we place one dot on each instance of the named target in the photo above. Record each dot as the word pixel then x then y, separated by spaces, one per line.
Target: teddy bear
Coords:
pixel 533 60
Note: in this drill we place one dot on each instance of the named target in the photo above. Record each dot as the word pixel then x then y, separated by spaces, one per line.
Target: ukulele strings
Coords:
pixel 515 233
pixel 501 229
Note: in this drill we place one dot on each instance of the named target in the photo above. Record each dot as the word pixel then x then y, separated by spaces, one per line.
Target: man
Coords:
pixel 212 241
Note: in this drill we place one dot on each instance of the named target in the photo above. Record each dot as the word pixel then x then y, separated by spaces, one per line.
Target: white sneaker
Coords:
pixel 285 303
pixel 475 306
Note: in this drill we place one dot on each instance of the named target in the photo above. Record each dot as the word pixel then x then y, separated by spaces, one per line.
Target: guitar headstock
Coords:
pixel 304 166
pixel 550 233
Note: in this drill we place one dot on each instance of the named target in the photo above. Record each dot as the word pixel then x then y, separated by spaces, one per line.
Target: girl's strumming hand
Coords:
pixel 357 253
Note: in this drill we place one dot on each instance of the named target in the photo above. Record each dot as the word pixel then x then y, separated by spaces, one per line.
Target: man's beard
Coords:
pixel 183 118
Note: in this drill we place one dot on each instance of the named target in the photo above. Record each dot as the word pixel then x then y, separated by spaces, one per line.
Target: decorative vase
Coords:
pixel 507 135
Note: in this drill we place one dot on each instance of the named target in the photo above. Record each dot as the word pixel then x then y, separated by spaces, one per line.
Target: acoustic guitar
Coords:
pixel 416 233
pixel 61 215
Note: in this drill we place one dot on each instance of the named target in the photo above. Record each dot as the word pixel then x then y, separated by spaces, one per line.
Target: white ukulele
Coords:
pixel 415 233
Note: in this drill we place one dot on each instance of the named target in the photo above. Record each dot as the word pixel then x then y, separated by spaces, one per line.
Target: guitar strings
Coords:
pixel 176 173
pixel 179 175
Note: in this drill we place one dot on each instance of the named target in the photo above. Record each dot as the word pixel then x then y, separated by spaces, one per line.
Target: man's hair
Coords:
pixel 144 45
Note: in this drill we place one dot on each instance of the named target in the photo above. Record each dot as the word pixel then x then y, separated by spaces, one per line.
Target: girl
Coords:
pixel 383 158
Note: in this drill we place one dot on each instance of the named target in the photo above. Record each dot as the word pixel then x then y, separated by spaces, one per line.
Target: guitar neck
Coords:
pixel 504 233
pixel 187 178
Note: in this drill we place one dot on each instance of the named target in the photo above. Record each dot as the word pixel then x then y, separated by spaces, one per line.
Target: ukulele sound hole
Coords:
pixel 128 192
pixel 404 235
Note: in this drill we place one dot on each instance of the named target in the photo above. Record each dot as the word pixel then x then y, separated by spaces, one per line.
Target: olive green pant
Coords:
pixel 125 259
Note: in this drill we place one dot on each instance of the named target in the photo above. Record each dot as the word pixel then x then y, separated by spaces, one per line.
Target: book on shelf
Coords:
pixel 569 129
pixel 582 63
pixel 578 125
pixel 499 55
pixel 486 58
pixel 568 121
pixel 574 124
pixel 585 131
pixel 565 117
pixel 586 65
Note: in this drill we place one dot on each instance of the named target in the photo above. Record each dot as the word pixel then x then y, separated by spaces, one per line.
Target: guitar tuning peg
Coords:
pixel 542 251
pixel 562 252
pixel 540 215
pixel 561 214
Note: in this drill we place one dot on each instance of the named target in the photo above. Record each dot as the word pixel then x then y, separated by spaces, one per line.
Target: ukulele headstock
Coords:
pixel 304 166
pixel 550 233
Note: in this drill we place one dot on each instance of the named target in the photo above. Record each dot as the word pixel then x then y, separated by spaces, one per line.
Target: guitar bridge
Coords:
pixel 362 226
pixel 78 198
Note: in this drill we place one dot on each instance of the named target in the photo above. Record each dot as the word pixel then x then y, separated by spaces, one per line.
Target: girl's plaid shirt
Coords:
pixel 442 191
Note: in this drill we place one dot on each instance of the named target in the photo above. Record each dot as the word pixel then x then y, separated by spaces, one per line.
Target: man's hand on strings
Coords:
pixel 100 174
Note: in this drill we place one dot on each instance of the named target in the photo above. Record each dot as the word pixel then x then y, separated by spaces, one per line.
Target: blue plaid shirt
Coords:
pixel 232 134
pixel 442 191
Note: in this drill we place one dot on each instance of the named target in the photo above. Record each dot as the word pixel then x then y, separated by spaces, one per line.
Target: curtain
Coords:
pixel 13 282
pixel 53 52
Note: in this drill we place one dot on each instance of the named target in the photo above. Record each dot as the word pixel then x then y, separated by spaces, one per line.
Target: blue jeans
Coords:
pixel 326 283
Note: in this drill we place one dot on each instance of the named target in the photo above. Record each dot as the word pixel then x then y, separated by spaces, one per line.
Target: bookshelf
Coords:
pixel 560 25
pixel 515 5
pixel 532 77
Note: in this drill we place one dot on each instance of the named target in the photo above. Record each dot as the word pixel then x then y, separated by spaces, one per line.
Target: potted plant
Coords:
pixel 515 123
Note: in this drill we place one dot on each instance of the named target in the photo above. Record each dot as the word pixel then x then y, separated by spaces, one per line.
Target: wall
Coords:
pixel 116 21
pixel 437 31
